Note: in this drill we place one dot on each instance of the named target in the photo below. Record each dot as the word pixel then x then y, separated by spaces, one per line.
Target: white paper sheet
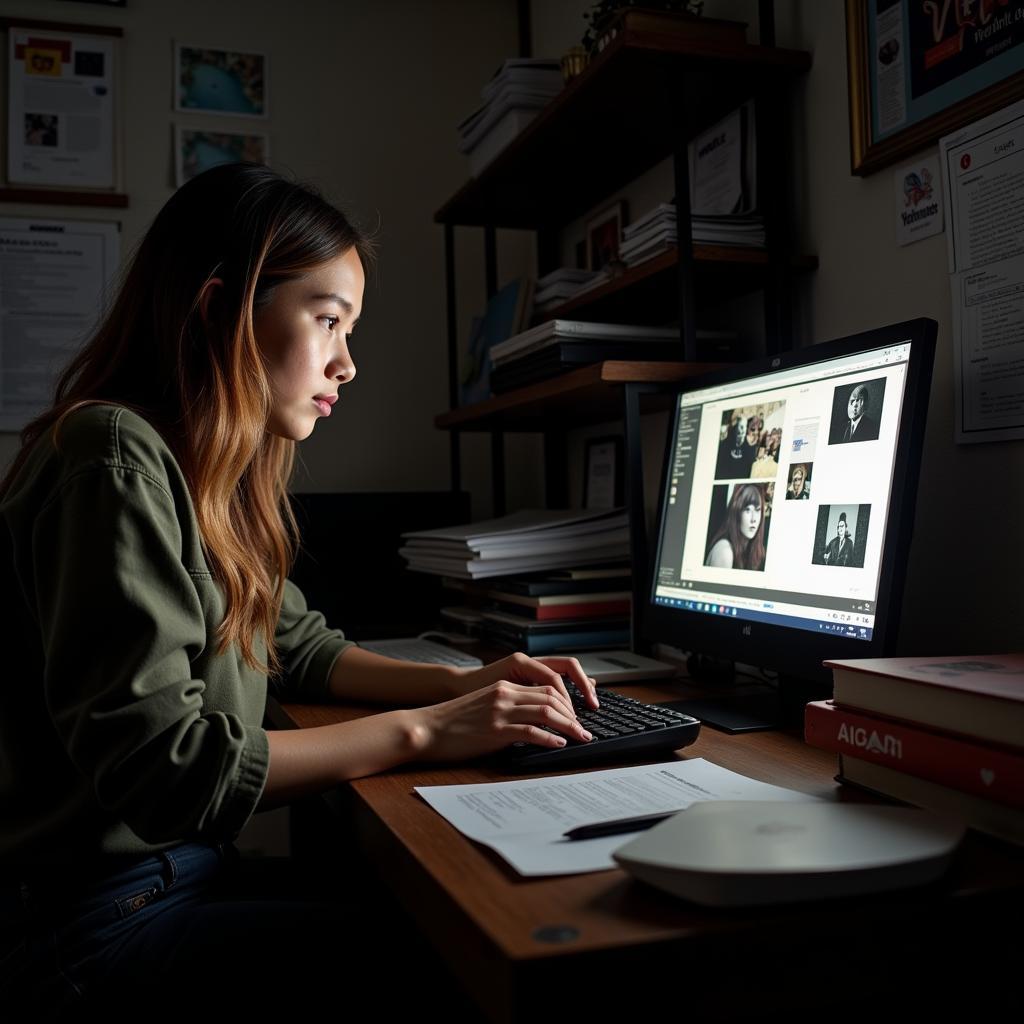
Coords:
pixel 60 126
pixel 983 177
pixel 525 820
pixel 53 281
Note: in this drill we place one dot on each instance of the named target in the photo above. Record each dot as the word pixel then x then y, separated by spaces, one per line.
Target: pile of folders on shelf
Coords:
pixel 568 610
pixel 946 734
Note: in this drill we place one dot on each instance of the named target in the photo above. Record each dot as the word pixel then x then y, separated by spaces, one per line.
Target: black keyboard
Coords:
pixel 624 729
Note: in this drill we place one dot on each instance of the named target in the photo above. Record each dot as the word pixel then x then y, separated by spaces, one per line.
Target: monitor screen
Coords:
pixel 785 510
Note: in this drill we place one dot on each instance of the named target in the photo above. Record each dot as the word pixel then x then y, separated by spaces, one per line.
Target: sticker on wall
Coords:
pixel 918 201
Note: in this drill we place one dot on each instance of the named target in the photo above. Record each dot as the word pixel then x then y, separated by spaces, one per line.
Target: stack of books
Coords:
pixel 561 285
pixel 653 233
pixel 584 607
pixel 556 346
pixel 946 734
pixel 729 229
pixel 656 232
pixel 512 99
pixel 526 541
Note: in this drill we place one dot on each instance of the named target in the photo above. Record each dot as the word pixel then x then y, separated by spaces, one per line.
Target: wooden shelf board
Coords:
pixel 650 286
pixel 581 396
pixel 62 197
pixel 612 122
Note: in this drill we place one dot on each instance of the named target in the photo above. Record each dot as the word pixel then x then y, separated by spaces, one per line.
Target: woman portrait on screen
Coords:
pixel 148 612
pixel 739 541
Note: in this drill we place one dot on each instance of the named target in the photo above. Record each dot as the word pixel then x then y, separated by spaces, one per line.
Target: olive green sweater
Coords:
pixel 122 731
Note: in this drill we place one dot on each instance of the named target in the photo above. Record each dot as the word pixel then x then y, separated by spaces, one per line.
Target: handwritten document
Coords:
pixel 524 820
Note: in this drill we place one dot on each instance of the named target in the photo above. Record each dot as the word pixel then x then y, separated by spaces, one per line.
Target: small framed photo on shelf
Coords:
pixel 212 81
pixel 604 233
pixel 197 150
pixel 603 473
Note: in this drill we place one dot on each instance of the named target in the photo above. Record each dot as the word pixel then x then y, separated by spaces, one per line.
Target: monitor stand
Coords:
pixel 747 712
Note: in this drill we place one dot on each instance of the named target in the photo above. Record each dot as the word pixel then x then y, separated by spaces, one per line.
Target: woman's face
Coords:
pixel 750 519
pixel 841 529
pixel 798 482
pixel 303 335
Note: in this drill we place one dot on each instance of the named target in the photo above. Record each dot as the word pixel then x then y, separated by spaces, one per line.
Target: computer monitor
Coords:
pixel 786 511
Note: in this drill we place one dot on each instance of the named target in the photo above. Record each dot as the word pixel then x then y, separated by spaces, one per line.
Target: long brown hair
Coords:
pixel 201 382
pixel 746 554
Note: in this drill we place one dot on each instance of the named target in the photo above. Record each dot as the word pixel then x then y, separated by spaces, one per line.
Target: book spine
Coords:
pixel 587 610
pixel 985 815
pixel 971 767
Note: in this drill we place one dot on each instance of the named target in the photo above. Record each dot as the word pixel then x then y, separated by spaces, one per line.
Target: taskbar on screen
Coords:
pixel 839 623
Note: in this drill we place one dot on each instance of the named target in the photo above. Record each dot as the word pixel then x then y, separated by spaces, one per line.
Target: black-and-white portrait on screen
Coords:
pixel 841 535
pixel 856 411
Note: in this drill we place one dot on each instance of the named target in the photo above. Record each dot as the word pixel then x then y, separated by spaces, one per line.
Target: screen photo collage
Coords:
pixel 775 456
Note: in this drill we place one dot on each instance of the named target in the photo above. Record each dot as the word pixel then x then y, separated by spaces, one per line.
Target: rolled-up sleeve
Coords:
pixel 121 623
pixel 307 649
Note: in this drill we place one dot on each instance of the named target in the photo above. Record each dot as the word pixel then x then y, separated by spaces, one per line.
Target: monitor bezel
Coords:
pixel 796 652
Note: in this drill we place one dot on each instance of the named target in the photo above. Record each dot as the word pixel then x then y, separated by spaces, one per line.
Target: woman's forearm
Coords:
pixel 360 675
pixel 306 761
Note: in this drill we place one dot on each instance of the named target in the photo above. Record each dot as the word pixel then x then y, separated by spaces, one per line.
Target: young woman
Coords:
pixel 739 541
pixel 145 584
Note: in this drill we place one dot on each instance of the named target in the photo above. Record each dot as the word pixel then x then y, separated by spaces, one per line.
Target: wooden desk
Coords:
pixel 525 948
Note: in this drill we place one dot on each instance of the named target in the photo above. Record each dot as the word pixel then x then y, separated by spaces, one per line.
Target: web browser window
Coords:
pixel 778 494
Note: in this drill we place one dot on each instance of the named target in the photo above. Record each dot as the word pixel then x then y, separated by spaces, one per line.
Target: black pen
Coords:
pixel 611 828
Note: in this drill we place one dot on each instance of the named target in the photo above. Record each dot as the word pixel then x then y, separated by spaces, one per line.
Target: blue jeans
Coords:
pixel 165 935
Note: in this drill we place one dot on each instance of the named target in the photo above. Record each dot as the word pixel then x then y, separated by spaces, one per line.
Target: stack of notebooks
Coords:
pixel 526 541
pixel 656 232
pixel 584 608
pixel 563 284
pixel 512 99
pixel 556 346
pixel 946 734
pixel 652 234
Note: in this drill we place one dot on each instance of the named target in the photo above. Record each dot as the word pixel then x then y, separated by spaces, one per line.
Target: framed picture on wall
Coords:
pixel 604 233
pixel 214 81
pixel 603 473
pixel 918 71
pixel 197 150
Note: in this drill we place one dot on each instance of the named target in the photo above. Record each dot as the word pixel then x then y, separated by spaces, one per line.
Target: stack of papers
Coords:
pixel 730 229
pixel 656 232
pixel 653 233
pixel 512 99
pixel 525 821
pixel 527 541
pixel 551 332
pixel 560 285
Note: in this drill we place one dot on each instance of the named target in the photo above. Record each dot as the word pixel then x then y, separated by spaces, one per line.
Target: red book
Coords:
pixel 589 610
pixel 992 772
pixel 981 697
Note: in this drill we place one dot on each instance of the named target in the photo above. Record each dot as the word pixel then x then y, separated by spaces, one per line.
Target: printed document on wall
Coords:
pixel 54 277
pixel 60 118
pixel 983 172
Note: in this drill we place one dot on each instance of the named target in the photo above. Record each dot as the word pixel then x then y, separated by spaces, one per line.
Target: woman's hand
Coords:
pixel 509 700
pixel 485 720
pixel 520 668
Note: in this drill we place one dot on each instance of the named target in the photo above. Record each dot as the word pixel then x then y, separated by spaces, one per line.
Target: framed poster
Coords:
pixel 918 71
pixel 604 235
pixel 603 473
pixel 62 102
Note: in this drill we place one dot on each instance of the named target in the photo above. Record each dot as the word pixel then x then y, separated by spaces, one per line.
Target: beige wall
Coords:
pixel 364 99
